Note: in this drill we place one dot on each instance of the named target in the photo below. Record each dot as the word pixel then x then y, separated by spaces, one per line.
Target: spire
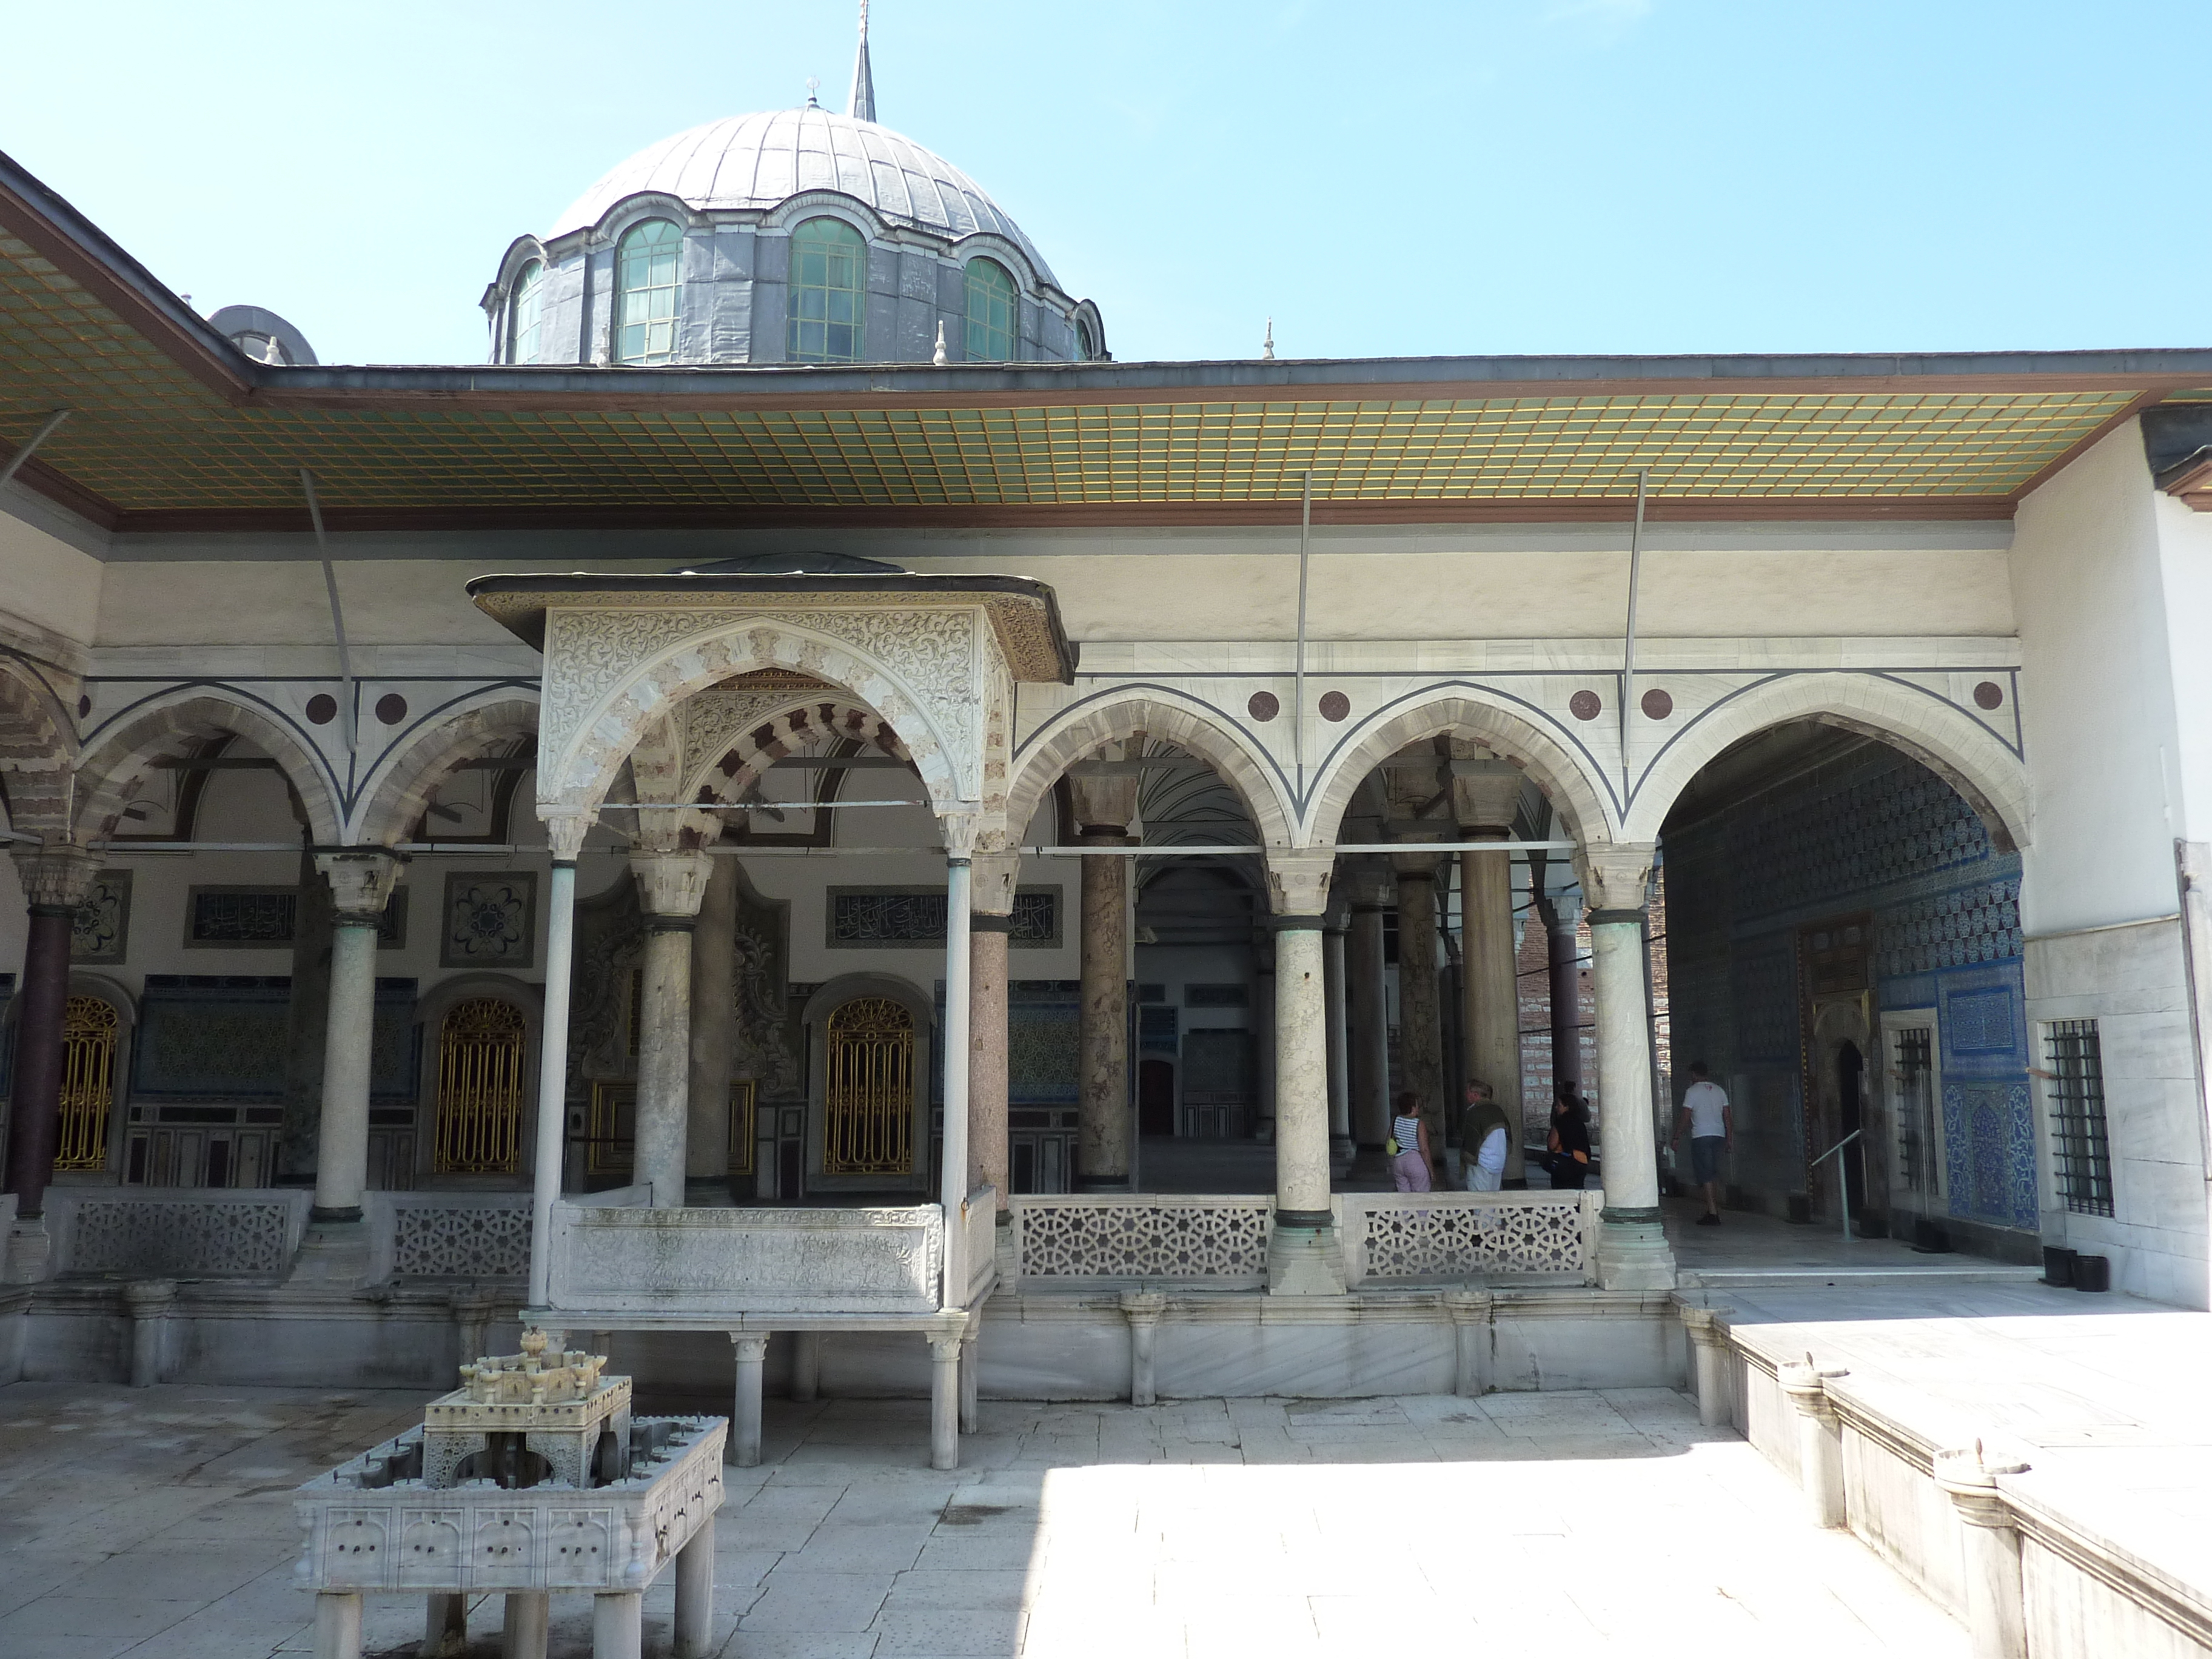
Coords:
pixel 862 105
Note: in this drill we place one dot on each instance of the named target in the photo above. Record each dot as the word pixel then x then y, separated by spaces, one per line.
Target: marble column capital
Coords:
pixel 995 875
pixel 1297 883
pixel 57 875
pixel 671 883
pixel 1411 865
pixel 361 882
pixel 1104 802
pixel 1615 874
pixel 565 830
pixel 1485 794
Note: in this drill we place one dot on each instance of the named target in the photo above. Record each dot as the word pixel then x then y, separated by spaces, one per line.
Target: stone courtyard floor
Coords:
pixel 158 1523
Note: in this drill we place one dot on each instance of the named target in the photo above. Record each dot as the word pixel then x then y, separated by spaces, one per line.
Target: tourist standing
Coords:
pixel 1482 1140
pixel 1568 1141
pixel 1706 1115
pixel 1409 1133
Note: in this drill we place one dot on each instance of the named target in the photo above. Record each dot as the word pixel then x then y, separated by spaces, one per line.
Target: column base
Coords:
pixel 1104 1184
pixel 30 1252
pixel 334 1253
pixel 1304 1261
pixel 1634 1256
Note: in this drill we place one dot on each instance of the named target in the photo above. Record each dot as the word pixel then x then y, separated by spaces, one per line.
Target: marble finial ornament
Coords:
pixel 1268 345
pixel 862 105
pixel 275 354
pixel 936 357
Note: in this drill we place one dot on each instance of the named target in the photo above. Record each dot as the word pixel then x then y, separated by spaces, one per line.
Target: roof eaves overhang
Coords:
pixel 1024 613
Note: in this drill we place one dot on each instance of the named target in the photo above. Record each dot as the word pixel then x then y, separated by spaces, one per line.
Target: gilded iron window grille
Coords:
pixel 89 1029
pixel 480 1088
pixel 868 1096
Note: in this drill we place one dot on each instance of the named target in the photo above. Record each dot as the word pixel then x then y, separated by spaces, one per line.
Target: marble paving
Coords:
pixel 158 1523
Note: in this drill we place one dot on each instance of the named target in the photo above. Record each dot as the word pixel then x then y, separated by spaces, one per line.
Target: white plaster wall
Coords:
pixel 2097 695
pixel 45 584
pixel 2184 544
pixel 2131 981
pixel 1473 581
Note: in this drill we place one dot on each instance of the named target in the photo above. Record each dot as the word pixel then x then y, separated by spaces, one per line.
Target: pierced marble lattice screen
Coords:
pixel 1222 1240
pixel 207 1235
pixel 1432 1237
pixel 479 1240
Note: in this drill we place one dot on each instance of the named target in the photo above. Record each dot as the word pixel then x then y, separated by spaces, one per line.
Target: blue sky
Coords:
pixel 1383 179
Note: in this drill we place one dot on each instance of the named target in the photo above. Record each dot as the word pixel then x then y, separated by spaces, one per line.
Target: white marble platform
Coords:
pixel 1576 1524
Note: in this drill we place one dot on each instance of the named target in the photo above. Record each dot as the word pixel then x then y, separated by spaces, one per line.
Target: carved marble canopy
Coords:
pixel 935 657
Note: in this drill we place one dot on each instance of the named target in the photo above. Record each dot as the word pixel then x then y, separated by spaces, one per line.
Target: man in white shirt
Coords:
pixel 1704 1113
pixel 1482 1139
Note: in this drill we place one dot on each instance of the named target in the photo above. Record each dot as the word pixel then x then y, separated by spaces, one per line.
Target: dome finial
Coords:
pixel 1268 345
pixel 813 85
pixel 862 105
pixel 936 357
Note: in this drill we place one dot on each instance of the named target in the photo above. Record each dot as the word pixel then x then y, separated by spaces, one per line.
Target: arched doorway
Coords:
pixel 1851 1070
pixel 867 1125
pixel 480 1088
pixel 90 1029
pixel 1843 944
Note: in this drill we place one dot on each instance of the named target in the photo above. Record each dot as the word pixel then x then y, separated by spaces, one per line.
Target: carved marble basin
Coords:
pixel 408 1536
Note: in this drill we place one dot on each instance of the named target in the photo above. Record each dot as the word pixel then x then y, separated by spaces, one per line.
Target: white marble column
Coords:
pixel 1339 1038
pixel 1305 1255
pixel 713 1023
pixel 987 939
pixel 1633 1250
pixel 361 885
pixel 565 834
pixel 669 887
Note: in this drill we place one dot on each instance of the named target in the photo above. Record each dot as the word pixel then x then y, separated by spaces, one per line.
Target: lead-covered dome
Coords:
pixel 759 160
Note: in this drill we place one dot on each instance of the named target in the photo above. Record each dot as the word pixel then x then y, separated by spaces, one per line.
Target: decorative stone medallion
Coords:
pixel 490 919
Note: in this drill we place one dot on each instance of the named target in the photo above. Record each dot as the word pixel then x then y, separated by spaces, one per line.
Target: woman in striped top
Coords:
pixel 1410 1168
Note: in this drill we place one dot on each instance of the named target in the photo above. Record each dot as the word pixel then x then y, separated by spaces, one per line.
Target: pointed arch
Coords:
pixel 487 727
pixel 1958 749
pixel 38 750
pixel 115 767
pixel 1569 778
pixel 576 779
pixel 1157 712
pixel 807 718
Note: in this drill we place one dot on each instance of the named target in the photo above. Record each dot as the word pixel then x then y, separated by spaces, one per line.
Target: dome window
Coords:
pixel 524 314
pixel 991 297
pixel 1085 348
pixel 829 293
pixel 645 293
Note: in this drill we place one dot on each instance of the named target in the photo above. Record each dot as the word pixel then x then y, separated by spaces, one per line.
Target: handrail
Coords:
pixel 1842 1186
pixel 1833 1150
